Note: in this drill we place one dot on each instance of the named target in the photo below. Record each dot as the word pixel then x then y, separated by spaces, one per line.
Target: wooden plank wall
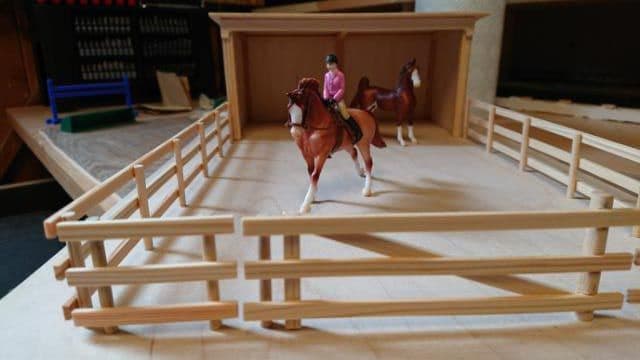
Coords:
pixel 18 86
pixel 447 51
pixel 275 64
pixel 389 54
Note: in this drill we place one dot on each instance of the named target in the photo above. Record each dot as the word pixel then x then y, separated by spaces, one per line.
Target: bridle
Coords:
pixel 305 110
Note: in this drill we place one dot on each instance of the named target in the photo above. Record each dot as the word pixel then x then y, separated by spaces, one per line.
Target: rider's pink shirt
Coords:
pixel 333 85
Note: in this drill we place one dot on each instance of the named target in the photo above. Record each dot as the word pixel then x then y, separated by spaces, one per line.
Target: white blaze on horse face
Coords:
pixel 415 78
pixel 296 114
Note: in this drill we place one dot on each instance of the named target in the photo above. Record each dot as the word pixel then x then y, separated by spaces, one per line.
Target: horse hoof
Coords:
pixel 414 140
pixel 402 143
pixel 304 209
pixel 366 192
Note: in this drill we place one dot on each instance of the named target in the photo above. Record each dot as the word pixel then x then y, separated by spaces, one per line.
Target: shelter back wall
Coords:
pixel 275 63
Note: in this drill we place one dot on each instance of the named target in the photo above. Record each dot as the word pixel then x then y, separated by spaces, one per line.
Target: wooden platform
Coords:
pixel 79 161
pixel 264 174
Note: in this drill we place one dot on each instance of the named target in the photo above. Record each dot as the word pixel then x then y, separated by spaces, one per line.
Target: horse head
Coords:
pixel 410 71
pixel 299 100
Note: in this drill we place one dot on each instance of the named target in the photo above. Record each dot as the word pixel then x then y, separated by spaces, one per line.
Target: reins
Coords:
pixel 303 125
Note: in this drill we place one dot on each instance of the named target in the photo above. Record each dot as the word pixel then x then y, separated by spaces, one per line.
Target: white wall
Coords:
pixel 486 45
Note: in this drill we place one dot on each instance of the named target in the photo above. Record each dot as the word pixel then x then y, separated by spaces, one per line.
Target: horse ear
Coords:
pixel 413 61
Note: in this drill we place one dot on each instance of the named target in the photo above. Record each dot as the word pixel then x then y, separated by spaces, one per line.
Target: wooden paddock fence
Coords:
pixel 139 216
pixel 183 156
pixel 102 277
pixel 403 259
pixel 577 164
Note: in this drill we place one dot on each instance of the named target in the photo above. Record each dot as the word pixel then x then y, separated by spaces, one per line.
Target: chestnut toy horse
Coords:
pixel 401 100
pixel 318 135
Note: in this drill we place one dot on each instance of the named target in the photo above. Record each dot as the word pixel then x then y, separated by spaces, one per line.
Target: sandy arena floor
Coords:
pixel 265 174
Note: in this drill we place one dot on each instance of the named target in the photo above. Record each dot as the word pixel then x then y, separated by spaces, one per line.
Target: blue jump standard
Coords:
pixel 83 90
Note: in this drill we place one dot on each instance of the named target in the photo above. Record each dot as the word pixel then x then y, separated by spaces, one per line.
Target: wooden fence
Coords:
pixel 485 131
pixel 102 277
pixel 139 216
pixel 188 154
pixel 574 159
pixel 407 260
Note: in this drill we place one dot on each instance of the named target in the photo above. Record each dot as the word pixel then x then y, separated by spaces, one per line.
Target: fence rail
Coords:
pixel 447 306
pixel 574 158
pixel 198 271
pixel 83 204
pixel 192 150
pixel 484 131
pixel 84 238
pixel 139 199
pixel 101 277
pixel 494 271
pixel 115 229
pixel 154 314
pixel 438 266
pixel 447 221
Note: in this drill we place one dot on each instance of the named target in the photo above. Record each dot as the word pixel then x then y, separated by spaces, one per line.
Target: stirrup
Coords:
pixel 355 131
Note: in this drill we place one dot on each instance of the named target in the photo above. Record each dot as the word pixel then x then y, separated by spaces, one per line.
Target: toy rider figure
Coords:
pixel 333 93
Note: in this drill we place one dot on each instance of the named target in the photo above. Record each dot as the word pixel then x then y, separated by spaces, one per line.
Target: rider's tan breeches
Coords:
pixel 343 109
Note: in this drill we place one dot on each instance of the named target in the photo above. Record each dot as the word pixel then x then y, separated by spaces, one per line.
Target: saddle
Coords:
pixel 353 129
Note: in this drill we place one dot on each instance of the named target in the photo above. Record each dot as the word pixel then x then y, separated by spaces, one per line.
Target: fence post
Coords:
pixel 467 113
pixel 524 146
pixel 574 166
pixel 264 250
pixel 490 127
pixel 292 286
pixel 77 260
pixel 99 259
pixel 213 291
pixel 636 229
pixel 635 232
pixel 203 149
pixel 595 243
pixel 177 152
pixel 216 118
pixel 143 199
pixel 51 90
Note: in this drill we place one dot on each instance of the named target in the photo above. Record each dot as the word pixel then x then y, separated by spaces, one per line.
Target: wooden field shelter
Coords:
pixel 266 54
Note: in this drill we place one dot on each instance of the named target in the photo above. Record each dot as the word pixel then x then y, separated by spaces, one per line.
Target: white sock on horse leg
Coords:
pixel 356 163
pixel 308 199
pixel 367 185
pixel 359 168
pixel 412 137
pixel 399 136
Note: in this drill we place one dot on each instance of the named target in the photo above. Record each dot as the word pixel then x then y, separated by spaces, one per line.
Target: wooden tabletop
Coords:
pixel 79 161
pixel 264 174
pixel 28 123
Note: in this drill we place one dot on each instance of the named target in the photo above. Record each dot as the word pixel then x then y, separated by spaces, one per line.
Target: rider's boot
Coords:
pixel 354 129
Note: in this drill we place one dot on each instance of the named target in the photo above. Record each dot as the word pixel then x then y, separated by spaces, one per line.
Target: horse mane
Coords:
pixel 311 84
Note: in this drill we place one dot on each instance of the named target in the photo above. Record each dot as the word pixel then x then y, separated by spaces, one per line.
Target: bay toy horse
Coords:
pixel 318 134
pixel 400 100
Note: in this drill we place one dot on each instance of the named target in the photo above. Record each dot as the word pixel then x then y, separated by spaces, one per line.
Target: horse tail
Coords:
pixel 377 140
pixel 362 85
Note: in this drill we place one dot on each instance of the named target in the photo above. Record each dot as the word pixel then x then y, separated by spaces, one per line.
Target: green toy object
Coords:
pixel 97 119
pixel 218 101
